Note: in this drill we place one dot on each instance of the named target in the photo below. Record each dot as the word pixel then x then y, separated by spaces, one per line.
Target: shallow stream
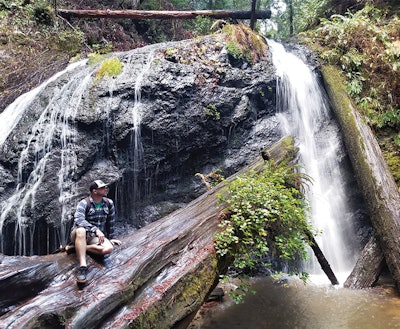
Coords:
pixel 300 306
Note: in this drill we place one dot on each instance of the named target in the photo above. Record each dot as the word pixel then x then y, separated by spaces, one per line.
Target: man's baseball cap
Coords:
pixel 96 184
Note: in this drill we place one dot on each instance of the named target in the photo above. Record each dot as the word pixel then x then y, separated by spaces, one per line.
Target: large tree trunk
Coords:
pixel 372 173
pixel 159 276
pixel 368 268
pixel 154 14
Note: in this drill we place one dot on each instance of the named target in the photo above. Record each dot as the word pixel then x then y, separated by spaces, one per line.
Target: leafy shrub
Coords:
pixel 94 58
pixel 43 15
pixel 268 215
pixel 70 41
pixel 366 46
pixel 202 25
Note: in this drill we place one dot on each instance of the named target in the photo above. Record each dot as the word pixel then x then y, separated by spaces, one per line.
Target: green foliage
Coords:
pixel 202 25
pixel 308 12
pixel 111 67
pixel 268 215
pixel 100 49
pixel 305 14
pixel 389 118
pixel 355 84
pixel 70 41
pixel 366 46
pixel 95 58
pixel 234 50
pixel 241 290
pixel 170 52
pixel 212 111
pixel 43 15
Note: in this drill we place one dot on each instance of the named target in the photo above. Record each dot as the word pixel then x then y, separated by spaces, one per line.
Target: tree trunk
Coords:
pixel 142 14
pixel 158 277
pixel 291 13
pixel 253 14
pixel 373 175
pixel 368 267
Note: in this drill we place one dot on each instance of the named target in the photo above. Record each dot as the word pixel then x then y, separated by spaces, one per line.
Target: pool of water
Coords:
pixel 300 306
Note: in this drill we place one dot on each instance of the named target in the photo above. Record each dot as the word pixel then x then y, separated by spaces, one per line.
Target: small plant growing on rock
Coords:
pixel 212 111
pixel 111 67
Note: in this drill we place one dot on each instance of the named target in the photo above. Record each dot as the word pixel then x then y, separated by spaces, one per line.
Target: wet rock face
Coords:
pixel 194 114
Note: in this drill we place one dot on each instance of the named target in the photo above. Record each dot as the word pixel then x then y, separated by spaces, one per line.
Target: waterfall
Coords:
pixel 305 114
pixel 138 159
pixel 13 113
pixel 52 144
pixel 52 123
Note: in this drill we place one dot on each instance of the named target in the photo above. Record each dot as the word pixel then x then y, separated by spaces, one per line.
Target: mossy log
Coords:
pixel 372 172
pixel 159 276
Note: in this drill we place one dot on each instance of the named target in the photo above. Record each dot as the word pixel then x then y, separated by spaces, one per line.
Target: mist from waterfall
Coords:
pixel 305 114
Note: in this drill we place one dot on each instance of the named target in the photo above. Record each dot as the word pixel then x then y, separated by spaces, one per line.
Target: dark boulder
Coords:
pixel 176 109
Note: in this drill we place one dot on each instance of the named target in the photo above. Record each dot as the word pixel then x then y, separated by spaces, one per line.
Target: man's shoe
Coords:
pixel 81 274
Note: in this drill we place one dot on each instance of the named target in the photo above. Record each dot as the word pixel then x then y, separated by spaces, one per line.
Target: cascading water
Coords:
pixel 52 142
pixel 135 177
pixel 305 114
pixel 53 121
pixel 138 160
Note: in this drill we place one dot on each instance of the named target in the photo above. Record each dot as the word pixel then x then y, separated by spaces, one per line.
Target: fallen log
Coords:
pixel 368 268
pixel 371 170
pixel 158 278
pixel 154 14
pixel 168 266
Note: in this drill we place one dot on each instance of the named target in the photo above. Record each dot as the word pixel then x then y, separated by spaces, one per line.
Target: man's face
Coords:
pixel 102 191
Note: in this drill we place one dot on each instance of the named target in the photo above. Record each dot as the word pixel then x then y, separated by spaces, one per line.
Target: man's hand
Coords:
pixel 116 242
pixel 100 236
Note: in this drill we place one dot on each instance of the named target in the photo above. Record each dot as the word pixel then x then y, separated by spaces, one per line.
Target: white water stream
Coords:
pixel 13 113
pixel 305 114
pixel 138 159
pixel 52 121
pixel 55 125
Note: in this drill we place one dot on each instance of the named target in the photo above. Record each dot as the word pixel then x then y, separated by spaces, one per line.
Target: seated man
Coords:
pixel 93 227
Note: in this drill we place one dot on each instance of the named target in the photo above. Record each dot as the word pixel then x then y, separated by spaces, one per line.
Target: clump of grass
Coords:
pixel 111 67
